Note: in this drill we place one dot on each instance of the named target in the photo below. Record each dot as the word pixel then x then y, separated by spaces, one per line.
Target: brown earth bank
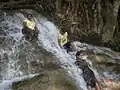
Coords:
pixel 91 21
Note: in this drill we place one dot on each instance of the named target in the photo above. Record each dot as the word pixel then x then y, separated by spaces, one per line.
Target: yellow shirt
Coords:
pixel 62 39
pixel 29 24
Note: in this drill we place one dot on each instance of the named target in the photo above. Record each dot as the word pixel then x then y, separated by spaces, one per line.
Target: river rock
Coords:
pixel 102 58
pixel 105 63
pixel 48 80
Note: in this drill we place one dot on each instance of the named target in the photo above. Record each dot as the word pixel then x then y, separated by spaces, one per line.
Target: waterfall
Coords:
pixel 49 39
pixel 18 51
pixel 12 26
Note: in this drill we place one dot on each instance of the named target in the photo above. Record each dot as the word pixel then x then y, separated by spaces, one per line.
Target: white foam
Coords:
pixel 49 40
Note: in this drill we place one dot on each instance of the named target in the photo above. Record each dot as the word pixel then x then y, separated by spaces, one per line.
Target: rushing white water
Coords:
pixel 11 70
pixel 48 39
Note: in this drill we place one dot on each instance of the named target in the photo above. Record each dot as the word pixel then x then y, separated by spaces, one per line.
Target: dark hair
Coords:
pixel 83 51
pixel 29 14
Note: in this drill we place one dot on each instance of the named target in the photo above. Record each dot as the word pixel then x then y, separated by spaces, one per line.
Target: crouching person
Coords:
pixel 63 41
pixel 30 30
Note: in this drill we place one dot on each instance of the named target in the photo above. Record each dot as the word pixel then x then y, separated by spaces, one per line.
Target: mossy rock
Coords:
pixel 49 80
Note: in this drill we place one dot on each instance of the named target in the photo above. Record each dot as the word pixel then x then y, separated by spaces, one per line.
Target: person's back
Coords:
pixel 29 24
pixel 89 77
pixel 29 28
pixel 88 74
pixel 62 38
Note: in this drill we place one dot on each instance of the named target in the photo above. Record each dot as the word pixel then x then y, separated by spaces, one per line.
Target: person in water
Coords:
pixel 88 74
pixel 30 30
pixel 64 43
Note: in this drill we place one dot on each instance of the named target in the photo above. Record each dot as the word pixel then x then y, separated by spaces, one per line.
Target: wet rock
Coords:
pixel 2 40
pixel 5 56
pixel 52 66
pixel 49 80
pixel 104 63
pixel 94 22
pixel 101 58
pixel 34 63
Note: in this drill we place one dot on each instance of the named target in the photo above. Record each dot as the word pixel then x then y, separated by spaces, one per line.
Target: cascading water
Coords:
pixel 17 53
pixel 10 49
pixel 14 69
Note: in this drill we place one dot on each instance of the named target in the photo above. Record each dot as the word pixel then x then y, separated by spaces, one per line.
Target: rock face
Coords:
pixel 104 63
pixel 91 21
pixel 48 80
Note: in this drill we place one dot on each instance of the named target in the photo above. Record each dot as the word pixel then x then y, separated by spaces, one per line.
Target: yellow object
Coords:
pixel 29 24
pixel 63 39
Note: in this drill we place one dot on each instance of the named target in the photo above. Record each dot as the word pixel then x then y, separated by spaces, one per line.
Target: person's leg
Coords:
pixel 32 34
pixel 66 48
pixel 36 33
pixel 97 86
pixel 29 34
pixel 89 87
pixel 25 33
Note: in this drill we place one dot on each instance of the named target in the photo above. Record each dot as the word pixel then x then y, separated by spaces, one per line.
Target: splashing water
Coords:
pixel 12 69
pixel 47 39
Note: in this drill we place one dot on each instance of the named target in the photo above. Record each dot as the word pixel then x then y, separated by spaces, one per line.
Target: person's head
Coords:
pixel 29 16
pixel 62 31
pixel 81 52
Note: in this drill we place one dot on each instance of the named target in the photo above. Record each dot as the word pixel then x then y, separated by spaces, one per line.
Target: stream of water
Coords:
pixel 16 52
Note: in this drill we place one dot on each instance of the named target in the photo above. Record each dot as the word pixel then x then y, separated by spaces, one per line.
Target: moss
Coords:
pixel 65 82
pixel 27 82
pixel 49 80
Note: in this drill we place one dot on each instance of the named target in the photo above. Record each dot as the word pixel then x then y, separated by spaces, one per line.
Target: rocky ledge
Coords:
pixel 49 79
